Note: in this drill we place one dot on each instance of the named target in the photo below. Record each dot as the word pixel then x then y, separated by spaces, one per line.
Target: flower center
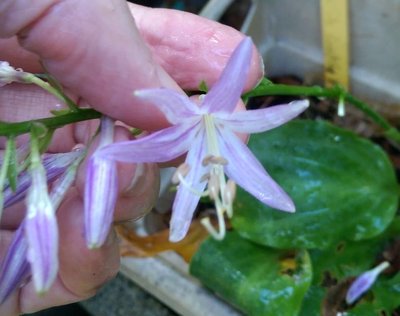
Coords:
pixel 218 189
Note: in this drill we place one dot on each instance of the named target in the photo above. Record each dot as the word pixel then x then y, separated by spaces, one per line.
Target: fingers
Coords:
pixel 191 48
pixel 94 49
pixel 81 56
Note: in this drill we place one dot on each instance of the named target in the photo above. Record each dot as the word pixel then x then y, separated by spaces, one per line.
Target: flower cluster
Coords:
pixel 216 160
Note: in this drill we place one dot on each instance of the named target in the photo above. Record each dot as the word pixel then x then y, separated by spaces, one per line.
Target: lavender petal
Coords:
pixel 100 198
pixel 186 201
pixel 225 93
pixel 257 121
pixel 160 146
pixel 244 168
pixel 15 268
pixel 175 106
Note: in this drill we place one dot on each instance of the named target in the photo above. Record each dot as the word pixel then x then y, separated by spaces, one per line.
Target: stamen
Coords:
pixel 230 191
pixel 205 177
pixel 179 178
pixel 215 160
pixel 180 172
pixel 218 235
pixel 213 187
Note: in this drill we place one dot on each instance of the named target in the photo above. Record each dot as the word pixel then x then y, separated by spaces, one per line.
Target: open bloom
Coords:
pixel 207 133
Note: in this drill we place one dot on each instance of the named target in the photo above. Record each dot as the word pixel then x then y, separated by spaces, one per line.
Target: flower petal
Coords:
pixel 55 165
pixel 175 106
pixel 42 235
pixel 100 199
pixel 14 268
pixel 160 146
pixel 225 93
pixel 256 121
pixel 41 230
pixel 364 282
pixel 186 201
pixel 244 168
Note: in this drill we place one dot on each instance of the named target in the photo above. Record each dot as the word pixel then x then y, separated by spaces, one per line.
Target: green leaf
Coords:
pixel 203 87
pixel 340 264
pixel 256 279
pixel 343 186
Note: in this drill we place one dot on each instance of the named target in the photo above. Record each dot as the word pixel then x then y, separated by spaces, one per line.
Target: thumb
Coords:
pixel 94 49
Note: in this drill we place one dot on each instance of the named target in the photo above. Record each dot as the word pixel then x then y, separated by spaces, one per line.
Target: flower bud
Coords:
pixel 364 282
pixel 14 269
pixel 101 190
pixel 8 74
pixel 54 164
pixel 41 231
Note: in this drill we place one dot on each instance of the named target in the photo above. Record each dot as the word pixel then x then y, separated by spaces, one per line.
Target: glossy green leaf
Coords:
pixel 256 279
pixel 335 268
pixel 343 186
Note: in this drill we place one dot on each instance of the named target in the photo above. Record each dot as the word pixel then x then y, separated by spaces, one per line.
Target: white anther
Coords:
pixel 215 160
pixel 180 173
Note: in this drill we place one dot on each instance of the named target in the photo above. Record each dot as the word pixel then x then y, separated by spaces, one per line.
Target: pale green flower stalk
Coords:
pixel 9 74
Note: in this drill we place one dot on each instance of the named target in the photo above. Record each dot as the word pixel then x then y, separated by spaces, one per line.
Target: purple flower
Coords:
pixel 41 230
pixel 101 189
pixel 15 268
pixel 207 134
pixel 55 165
pixel 364 282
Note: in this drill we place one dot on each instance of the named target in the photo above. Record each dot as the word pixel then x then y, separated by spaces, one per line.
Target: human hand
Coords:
pixel 97 53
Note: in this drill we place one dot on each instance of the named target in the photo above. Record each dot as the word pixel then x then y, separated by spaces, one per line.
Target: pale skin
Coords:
pixel 101 51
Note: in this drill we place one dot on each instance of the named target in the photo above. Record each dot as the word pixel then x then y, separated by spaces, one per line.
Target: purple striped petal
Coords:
pixel 186 201
pixel 244 168
pixel 175 106
pixel 364 282
pixel 55 165
pixel 225 93
pixel 101 189
pixel 41 231
pixel 257 121
pixel 14 268
pixel 160 146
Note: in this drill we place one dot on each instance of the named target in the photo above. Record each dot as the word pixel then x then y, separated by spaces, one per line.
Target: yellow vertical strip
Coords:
pixel 335 40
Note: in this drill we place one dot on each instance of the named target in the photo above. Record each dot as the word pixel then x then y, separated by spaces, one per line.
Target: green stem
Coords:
pixel 19 128
pixel 335 92
pixel 47 87
pixel 4 169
